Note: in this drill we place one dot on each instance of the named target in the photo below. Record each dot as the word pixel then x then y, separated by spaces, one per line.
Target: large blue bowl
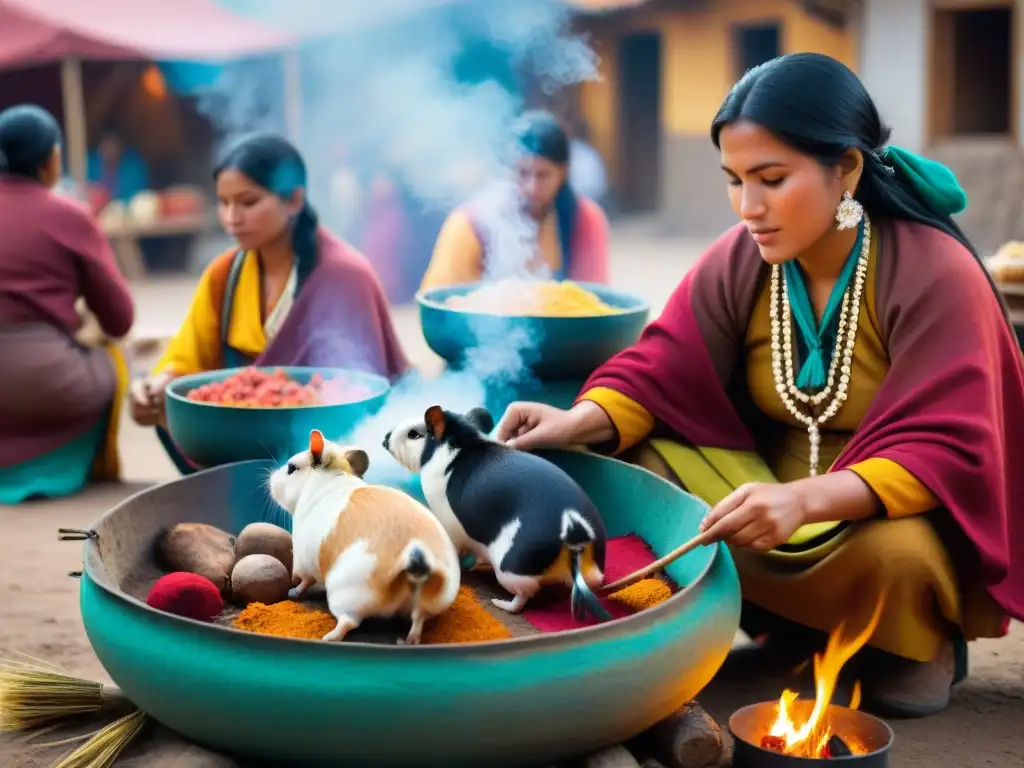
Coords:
pixel 211 435
pixel 525 701
pixel 550 347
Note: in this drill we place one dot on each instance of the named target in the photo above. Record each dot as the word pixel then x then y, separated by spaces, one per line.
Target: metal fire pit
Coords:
pixel 749 724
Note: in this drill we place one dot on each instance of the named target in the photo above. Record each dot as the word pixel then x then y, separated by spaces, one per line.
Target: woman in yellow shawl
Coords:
pixel 572 231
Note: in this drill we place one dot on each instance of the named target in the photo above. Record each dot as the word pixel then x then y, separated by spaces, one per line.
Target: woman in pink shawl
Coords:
pixel 572 230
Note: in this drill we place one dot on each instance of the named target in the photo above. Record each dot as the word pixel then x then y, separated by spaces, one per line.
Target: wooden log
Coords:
pixel 689 738
pixel 612 757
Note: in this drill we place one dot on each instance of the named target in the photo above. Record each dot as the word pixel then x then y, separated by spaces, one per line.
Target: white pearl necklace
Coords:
pixel 842 357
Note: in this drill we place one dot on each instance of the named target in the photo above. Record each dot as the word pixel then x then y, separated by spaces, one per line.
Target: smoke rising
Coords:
pixel 428 92
pixel 456 391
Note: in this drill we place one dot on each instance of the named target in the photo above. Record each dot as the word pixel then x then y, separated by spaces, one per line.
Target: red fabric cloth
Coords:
pixel 44 31
pixel 52 251
pixel 670 372
pixel 950 410
pixel 625 555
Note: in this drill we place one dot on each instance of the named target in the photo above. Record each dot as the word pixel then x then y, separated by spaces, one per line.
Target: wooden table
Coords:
pixel 124 237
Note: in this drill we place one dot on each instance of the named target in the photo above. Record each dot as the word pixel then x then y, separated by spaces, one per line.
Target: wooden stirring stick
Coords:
pixel 697 541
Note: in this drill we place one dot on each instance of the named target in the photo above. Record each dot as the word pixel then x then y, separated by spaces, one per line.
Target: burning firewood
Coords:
pixel 837 747
pixel 802 728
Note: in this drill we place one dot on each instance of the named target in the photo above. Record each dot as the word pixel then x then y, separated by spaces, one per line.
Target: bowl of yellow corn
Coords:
pixel 556 329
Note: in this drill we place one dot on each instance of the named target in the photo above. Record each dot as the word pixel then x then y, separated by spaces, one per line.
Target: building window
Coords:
pixel 972 72
pixel 754 45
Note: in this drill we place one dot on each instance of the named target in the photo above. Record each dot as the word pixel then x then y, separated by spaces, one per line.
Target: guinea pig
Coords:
pixel 377 551
pixel 517 512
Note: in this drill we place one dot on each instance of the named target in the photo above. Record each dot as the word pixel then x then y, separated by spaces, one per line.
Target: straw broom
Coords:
pixel 104 746
pixel 39 696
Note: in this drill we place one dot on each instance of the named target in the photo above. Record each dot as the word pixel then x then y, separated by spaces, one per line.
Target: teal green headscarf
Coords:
pixel 934 183
pixel 938 189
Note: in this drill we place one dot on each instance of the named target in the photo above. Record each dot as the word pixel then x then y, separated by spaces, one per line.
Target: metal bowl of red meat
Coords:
pixel 239 414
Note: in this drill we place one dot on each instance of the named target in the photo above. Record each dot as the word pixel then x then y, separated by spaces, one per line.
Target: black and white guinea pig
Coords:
pixel 517 512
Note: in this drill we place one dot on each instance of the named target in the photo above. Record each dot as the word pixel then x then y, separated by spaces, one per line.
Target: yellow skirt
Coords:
pixel 107 464
pixel 837 572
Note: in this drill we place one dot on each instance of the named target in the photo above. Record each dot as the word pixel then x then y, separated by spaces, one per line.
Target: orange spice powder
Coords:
pixel 466 621
pixel 646 593
pixel 285 619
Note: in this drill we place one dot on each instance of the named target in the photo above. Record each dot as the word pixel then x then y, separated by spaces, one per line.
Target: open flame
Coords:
pixel 811 738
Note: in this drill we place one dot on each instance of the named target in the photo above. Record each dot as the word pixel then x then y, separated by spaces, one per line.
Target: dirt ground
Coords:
pixel 39 605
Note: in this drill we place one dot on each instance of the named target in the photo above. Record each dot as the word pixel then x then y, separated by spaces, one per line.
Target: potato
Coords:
pixel 198 548
pixel 265 539
pixel 259 579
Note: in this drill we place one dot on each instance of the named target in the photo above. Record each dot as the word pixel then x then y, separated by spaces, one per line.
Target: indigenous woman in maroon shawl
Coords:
pixel 838 379
pixel 60 399
pixel 291 294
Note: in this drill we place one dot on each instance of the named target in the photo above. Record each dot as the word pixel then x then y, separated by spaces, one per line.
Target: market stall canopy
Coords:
pixel 602 6
pixel 324 18
pixel 34 32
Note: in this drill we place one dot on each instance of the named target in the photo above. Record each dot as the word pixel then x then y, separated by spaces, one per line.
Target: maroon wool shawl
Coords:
pixel 950 410
pixel 340 317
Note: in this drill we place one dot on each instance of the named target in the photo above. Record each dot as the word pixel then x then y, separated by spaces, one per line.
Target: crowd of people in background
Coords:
pixel 287 278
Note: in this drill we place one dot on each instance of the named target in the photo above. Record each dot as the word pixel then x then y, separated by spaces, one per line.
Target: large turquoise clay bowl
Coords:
pixel 549 347
pixel 518 702
pixel 211 435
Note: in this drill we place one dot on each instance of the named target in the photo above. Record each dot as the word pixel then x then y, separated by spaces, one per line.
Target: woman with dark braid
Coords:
pixel 290 294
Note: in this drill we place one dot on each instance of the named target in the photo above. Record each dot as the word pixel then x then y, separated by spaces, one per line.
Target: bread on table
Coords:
pixel 1007 265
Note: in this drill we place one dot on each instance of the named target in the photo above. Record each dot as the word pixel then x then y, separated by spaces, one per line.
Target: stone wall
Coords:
pixel 695 202
pixel 992 173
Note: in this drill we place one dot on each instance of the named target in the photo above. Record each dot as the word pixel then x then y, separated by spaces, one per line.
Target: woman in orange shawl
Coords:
pixel 572 230
pixel 837 378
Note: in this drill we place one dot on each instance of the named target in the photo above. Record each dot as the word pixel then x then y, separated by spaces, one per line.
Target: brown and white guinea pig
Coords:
pixel 377 551
pixel 518 512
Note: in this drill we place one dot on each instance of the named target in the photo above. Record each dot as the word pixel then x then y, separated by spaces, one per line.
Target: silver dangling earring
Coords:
pixel 849 213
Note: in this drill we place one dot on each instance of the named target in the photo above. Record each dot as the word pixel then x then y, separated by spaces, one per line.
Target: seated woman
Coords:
pixel 59 401
pixel 837 378
pixel 572 231
pixel 291 294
